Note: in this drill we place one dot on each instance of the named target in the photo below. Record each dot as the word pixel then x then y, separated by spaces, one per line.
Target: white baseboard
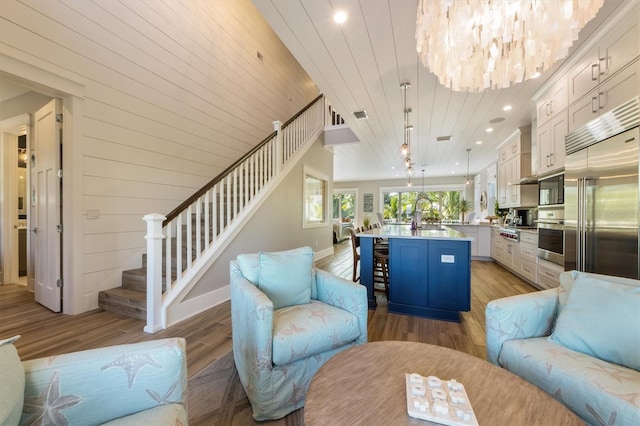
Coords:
pixel 178 312
pixel 323 253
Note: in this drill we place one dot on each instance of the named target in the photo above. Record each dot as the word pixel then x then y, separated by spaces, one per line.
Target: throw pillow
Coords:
pixel 567 278
pixel 11 383
pixel 601 319
pixel 286 278
pixel 249 265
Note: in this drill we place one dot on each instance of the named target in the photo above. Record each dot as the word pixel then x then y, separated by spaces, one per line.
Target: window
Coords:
pixel 436 206
pixel 344 205
pixel 315 194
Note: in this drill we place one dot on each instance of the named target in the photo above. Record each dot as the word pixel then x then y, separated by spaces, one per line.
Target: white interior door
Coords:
pixel 45 199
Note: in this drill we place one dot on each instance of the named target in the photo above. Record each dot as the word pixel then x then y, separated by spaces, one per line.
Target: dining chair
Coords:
pixel 355 246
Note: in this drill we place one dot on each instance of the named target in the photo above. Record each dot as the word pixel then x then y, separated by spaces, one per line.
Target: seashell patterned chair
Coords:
pixel 288 319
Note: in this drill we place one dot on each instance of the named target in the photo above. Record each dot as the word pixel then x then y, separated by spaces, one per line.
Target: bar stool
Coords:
pixel 381 266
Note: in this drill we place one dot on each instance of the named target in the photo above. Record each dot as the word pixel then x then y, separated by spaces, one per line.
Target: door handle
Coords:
pixel 35 230
pixel 606 62
pixel 601 103
pixel 597 74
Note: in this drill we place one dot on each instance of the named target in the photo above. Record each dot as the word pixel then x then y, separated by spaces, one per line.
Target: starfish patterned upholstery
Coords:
pixel 278 351
pixel 518 330
pixel 140 383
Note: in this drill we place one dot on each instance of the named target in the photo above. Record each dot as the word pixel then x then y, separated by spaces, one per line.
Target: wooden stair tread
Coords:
pixel 126 293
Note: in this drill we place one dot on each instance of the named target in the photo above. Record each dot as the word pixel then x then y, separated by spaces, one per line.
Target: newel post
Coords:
pixel 154 239
pixel 277 126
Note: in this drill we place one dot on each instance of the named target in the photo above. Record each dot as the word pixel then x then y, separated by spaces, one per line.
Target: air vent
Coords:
pixel 360 115
pixel 618 120
pixel 443 138
pixel 496 120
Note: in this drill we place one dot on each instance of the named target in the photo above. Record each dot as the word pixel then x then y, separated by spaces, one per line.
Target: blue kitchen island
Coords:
pixel 429 270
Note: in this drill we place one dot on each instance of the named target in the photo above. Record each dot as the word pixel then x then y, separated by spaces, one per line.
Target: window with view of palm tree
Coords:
pixel 435 205
pixel 344 207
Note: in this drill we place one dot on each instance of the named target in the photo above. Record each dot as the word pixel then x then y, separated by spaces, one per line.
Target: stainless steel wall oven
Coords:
pixel 551 234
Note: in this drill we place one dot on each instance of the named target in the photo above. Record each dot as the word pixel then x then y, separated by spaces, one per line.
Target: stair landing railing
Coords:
pixel 206 218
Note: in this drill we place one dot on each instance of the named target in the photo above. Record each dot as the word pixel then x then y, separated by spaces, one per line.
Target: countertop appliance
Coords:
pixel 601 194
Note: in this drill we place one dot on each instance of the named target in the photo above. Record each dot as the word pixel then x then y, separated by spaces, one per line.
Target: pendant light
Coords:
pixel 467 180
pixel 405 148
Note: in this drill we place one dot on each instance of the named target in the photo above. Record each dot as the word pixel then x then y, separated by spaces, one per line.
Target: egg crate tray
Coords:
pixel 440 401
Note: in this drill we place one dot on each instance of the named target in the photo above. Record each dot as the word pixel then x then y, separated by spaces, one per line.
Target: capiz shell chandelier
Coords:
pixel 473 45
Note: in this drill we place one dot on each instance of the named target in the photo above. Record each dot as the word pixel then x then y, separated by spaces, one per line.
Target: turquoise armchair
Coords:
pixel 135 384
pixel 278 351
pixel 522 337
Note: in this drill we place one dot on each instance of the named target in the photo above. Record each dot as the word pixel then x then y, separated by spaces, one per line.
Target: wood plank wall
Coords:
pixel 174 92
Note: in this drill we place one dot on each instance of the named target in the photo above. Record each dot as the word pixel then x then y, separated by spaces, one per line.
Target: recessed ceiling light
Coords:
pixel 535 75
pixel 489 129
pixel 393 167
pixel 507 108
pixel 340 17
pixel 453 173
pixel 457 164
pixel 478 142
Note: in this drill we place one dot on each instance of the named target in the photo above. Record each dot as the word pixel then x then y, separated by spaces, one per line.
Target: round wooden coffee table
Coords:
pixel 366 385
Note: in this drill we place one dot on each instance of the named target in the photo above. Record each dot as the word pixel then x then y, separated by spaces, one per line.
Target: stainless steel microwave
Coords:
pixel 551 190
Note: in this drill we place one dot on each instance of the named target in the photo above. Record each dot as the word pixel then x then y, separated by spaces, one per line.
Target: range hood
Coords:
pixel 528 180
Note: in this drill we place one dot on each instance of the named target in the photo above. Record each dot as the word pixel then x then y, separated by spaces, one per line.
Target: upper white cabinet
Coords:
pixel 510 149
pixel 553 102
pixel 605 76
pixel 551 147
pixel 514 162
pixel 615 50
pixel 552 127
pixel 613 92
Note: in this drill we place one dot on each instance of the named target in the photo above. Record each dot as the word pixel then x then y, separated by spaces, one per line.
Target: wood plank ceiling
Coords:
pixel 360 65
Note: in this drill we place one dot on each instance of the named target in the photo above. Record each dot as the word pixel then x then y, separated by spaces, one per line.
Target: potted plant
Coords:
pixel 464 206
pixel 366 221
pixel 500 213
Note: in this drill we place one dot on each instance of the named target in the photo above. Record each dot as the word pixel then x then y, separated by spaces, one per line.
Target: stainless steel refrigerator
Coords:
pixel 601 195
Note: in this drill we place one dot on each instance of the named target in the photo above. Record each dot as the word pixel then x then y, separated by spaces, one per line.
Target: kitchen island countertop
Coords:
pixel 431 232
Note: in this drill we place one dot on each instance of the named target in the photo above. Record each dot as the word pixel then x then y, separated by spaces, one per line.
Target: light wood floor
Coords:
pixel 208 334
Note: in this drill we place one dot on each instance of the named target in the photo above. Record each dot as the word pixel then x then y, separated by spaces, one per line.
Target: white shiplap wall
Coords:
pixel 173 93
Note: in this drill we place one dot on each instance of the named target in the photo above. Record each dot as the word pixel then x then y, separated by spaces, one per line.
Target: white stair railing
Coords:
pixel 209 215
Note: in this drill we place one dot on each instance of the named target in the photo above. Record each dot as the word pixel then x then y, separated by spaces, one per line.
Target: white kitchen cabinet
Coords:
pixel 613 52
pixel 498 246
pixel 481 234
pixel 548 274
pixel 551 146
pixel 520 257
pixel 514 163
pixel 510 149
pixel 484 241
pixel 527 257
pixel 620 88
pixel 503 251
pixel 502 184
pixel 553 102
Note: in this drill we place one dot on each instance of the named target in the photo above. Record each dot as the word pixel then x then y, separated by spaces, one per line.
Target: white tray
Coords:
pixel 439 401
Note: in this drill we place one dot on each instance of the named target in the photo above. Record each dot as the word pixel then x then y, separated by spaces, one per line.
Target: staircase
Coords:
pixel 209 219
pixel 131 298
